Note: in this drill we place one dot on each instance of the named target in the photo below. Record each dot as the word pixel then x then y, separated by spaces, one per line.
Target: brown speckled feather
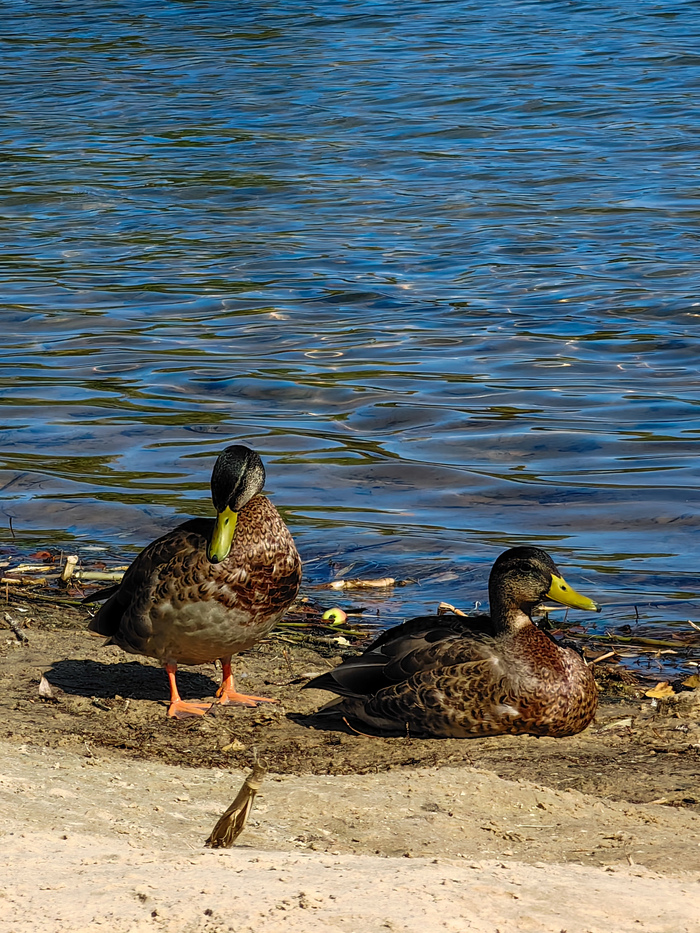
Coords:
pixel 473 686
pixel 175 605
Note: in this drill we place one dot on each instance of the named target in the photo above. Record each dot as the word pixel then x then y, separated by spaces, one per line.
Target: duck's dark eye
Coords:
pixel 563 587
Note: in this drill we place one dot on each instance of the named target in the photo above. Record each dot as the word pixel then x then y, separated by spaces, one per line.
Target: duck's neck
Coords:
pixel 507 613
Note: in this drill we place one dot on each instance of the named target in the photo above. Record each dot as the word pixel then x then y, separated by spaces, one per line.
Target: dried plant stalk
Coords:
pixel 46 690
pixel 232 823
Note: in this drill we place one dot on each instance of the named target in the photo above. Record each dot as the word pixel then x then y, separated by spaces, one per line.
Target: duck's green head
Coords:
pixel 238 475
pixel 524 576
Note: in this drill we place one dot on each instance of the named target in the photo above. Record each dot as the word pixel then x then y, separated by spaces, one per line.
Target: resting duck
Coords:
pixel 210 587
pixel 451 676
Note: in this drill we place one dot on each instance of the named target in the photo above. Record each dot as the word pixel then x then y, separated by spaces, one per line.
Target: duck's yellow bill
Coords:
pixel 563 593
pixel 220 543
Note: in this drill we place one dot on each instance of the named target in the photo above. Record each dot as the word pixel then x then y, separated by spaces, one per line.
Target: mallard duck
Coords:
pixel 451 676
pixel 210 587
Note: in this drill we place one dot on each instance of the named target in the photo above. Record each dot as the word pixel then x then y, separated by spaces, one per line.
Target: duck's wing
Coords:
pixel 131 598
pixel 420 644
pixel 427 630
pixel 469 697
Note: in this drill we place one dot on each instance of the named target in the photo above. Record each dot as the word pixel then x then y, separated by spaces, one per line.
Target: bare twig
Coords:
pixel 23 581
pixel 15 628
pixel 603 657
pixel 357 731
pixel 447 607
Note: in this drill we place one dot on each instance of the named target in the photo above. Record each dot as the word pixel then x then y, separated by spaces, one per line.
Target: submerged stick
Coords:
pixel 232 823
pixel 643 642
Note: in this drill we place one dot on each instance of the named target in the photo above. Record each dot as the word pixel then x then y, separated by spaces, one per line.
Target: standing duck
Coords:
pixel 209 588
pixel 440 676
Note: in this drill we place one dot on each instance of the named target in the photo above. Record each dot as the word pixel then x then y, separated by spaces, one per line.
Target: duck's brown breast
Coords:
pixel 175 605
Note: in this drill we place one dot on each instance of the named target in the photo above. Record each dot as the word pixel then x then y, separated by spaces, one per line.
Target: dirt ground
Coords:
pixel 99 776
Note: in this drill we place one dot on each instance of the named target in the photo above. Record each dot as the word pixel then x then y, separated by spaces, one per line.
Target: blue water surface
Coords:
pixel 438 262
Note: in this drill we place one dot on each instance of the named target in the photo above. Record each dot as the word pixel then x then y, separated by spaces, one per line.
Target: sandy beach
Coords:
pixel 106 805
pixel 102 842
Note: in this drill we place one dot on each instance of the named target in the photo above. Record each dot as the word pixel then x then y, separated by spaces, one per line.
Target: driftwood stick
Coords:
pixel 24 581
pixel 69 568
pixel 15 628
pixel 113 576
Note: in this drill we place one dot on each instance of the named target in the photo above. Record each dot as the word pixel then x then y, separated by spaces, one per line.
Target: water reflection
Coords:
pixel 436 263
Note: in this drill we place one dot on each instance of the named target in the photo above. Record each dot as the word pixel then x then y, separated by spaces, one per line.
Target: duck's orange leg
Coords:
pixel 178 708
pixel 227 692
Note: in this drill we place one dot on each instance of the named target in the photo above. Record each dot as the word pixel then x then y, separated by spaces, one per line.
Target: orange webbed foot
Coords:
pixel 180 709
pixel 231 697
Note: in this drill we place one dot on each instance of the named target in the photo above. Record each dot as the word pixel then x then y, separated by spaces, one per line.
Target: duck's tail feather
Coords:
pixel 99 595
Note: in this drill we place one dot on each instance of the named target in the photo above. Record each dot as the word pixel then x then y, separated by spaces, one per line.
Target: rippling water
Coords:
pixel 437 262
